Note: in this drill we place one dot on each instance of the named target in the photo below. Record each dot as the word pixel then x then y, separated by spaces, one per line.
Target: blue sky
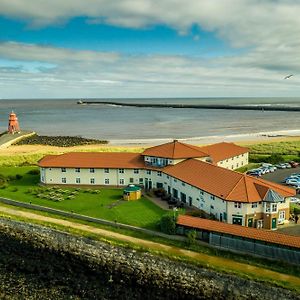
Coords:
pixel 145 48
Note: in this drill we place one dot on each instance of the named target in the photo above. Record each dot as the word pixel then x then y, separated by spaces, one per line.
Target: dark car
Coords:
pixel 294 164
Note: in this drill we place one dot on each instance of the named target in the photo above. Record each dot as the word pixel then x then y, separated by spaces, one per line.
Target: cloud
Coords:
pixel 96 74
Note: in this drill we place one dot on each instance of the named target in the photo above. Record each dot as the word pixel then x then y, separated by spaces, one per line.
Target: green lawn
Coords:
pixel 107 204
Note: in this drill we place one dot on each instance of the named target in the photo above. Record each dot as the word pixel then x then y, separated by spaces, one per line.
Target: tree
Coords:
pixel 275 158
pixel 168 224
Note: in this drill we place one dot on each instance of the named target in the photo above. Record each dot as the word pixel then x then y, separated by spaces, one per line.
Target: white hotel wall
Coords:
pixel 55 175
pixel 235 162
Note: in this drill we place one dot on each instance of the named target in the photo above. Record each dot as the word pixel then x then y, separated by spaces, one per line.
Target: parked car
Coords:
pixel 266 165
pixel 294 164
pixel 292 181
pixel 287 165
pixel 281 166
pixel 294 200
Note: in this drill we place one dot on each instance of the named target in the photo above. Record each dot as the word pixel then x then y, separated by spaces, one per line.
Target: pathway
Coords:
pixel 205 259
pixel 7 139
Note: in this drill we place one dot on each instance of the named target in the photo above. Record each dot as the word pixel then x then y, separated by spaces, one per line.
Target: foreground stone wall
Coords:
pixel 41 263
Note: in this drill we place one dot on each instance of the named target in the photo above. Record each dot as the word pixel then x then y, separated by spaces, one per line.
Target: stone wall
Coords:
pixel 40 263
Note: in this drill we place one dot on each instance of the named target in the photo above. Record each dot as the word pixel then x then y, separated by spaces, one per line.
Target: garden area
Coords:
pixel 21 184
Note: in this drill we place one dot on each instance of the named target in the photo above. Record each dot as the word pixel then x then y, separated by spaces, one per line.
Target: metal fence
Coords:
pixel 255 247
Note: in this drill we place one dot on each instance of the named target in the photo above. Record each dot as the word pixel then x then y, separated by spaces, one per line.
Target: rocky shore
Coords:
pixel 40 263
pixel 60 141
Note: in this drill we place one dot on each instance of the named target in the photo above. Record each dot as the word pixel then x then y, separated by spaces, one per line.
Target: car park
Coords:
pixel 292 181
pixel 294 200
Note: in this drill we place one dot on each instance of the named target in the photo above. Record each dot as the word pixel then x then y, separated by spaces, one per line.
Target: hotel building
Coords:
pixel 200 177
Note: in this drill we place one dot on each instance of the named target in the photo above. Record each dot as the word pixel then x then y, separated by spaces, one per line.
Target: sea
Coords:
pixel 121 124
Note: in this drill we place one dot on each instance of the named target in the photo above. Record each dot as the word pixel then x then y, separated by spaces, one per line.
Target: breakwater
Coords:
pixel 198 106
pixel 41 263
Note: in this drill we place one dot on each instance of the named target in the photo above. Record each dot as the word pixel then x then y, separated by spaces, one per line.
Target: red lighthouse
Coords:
pixel 13 124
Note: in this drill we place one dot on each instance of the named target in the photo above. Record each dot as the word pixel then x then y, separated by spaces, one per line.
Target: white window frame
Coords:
pixel 64 180
pixel 63 170
pixel 92 181
pixel 92 170
pixel 77 170
pixel 136 171
pixel 122 181
pixel 106 180
pixel 77 180
pixel 121 171
pixel 106 170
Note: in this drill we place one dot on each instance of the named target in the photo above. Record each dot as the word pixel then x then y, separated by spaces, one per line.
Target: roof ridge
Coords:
pixel 193 148
pixel 235 187
pixel 261 181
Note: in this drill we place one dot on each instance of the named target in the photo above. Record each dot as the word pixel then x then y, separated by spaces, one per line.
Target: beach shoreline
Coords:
pixel 137 145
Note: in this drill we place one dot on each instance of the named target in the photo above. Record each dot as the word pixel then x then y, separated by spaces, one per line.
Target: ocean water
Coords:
pixel 66 117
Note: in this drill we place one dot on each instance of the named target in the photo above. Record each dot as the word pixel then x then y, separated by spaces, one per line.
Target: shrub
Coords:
pixel 3 186
pixel 297 210
pixel 168 224
pixel 15 189
pixel 18 176
pixel 34 172
pixel 275 158
pixel 191 237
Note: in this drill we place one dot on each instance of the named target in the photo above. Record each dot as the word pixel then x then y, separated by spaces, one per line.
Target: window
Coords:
pixel 274 207
pixel 168 176
pixel 232 167
pixel 221 162
pixel 212 207
pixel 77 170
pixel 63 170
pixel 141 180
pixel 158 173
pixel 183 184
pixel 175 180
pixel 254 205
pixel 64 180
pixel 232 158
pixel 268 207
pixel 201 193
pixel 122 181
pixel 92 170
pixel 92 180
pixel 282 215
pixel 130 180
pixel 212 197
pixel 121 171
pixel 136 171
pixel 106 181
pixel 149 172
pixel 106 170
pixel 237 204
pixel 77 180
pixel 237 165
pixel 242 155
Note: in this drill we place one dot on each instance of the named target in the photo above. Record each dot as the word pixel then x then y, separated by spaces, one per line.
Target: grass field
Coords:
pixel 107 204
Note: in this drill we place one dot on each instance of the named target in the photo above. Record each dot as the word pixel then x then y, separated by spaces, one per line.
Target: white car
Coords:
pixel 294 200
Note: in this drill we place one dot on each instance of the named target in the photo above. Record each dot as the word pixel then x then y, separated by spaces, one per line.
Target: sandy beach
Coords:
pixel 139 145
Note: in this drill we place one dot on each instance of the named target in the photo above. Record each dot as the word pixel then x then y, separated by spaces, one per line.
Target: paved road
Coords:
pixel 279 175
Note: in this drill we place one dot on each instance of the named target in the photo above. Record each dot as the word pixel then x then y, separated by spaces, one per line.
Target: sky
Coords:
pixel 149 48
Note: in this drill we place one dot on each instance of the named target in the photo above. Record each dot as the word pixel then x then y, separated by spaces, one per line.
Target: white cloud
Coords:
pixel 78 74
pixel 266 31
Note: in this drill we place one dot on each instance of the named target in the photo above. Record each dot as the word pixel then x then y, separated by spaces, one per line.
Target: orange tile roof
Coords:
pixel 93 160
pixel 223 183
pixel 221 151
pixel 237 230
pixel 175 150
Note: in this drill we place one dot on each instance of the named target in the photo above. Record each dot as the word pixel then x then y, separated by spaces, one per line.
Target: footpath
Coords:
pixel 204 259
pixel 7 139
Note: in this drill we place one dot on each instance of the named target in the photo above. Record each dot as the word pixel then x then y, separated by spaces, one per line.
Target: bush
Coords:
pixel 15 189
pixel 198 213
pixel 191 237
pixel 18 176
pixel 275 158
pixel 297 210
pixel 3 186
pixel 34 172
pixel 168 224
